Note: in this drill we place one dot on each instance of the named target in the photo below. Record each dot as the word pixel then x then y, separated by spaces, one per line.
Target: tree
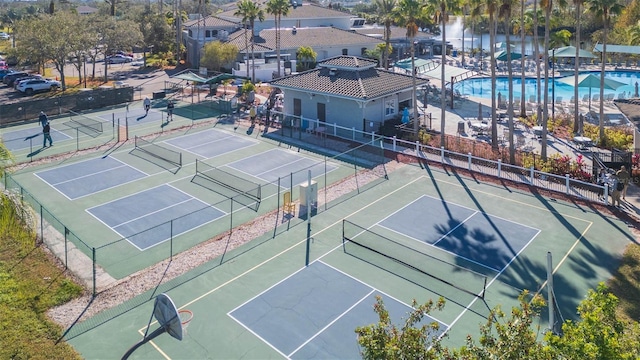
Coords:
pixel 385 18
pixel 509 338
pixel 576 73
pixel 118 35
pixel 250 11
pixel 306 57
pixel 407 15
pixel 385 341
pixel 599 334
pixel 278 8
pixel 217 54
pixel 444 7
pixel 603 9
pixel 505 13
pixel 547 5
pixel 157 33
pixel 491 7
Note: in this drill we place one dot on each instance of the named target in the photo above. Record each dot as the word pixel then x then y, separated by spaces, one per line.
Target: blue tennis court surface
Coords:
pixel 313 314
pixel 89 176
pixel 485 239
pixel 26 138
pixel 211 143
pixel 145 218
pixel 277 163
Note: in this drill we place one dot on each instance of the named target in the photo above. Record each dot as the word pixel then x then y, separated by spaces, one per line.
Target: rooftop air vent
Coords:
pixel 294 30
pixel 333 71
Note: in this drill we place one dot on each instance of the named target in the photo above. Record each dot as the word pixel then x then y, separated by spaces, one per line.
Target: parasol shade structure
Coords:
pixel 570 52
pixel 502 55
pixel 591 81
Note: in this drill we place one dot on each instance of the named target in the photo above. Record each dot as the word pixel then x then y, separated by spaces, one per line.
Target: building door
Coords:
pixel 322 112
pixel 297 111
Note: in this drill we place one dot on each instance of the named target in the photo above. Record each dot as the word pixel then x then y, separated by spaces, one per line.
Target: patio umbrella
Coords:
pixel 591 81
pixel 570 52
pixel 502 55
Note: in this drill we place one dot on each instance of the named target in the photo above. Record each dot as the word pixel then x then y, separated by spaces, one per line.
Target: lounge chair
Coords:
pixel 595 98
pixel 585 98
pixel 558 100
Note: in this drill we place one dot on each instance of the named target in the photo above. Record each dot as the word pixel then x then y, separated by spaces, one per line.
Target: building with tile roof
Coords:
pixel 349 91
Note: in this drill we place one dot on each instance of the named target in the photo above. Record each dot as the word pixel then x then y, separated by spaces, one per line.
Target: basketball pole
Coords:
pixel 308 195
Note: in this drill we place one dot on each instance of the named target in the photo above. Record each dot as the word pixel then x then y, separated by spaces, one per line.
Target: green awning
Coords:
pixel 190 76
pixel 621 49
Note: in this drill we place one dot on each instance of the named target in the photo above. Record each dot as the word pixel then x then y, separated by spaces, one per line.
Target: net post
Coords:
pixel 550 290
pixel 484 288
pixel 344 248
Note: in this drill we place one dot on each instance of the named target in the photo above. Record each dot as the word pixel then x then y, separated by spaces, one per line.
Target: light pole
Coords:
pixel 84 63
pixel 425 88
pixel 553 84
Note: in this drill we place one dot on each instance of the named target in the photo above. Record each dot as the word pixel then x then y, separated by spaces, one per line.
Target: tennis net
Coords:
pixel 241 186
pixel 160 152
pixel 87 125
pixel 378 250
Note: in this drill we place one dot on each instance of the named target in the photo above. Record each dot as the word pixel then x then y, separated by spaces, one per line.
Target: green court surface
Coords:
pixel 261 300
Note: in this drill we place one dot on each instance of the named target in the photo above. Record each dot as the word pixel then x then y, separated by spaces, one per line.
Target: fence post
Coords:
pixel 469 160
pixel 394 142
pixel 531 171
pixel 566 179
pixel 93 258
pixel 442 154
pixel 500 168
pixel 373 137
pixel 606 195
pixel 353 133
pixel 418 149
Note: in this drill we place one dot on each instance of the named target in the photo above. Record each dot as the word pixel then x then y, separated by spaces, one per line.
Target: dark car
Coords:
pixel 4 72
pixel 9 79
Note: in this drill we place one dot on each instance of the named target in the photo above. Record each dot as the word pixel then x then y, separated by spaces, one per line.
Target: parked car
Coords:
pixel 9 79
pixel 17 81
pixel 4 36
pixel 119 59
pixel 29 87
pixel 4 72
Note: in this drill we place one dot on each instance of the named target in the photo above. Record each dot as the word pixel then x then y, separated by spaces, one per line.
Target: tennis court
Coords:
pixel 422 235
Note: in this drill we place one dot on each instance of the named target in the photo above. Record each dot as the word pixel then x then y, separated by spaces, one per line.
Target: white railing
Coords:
pixel 530 176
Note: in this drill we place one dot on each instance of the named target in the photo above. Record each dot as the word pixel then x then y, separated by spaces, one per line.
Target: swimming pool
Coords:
pixel 481 87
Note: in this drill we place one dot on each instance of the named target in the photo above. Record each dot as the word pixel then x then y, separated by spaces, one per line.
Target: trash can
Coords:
pixel 454 53
pixel 461 127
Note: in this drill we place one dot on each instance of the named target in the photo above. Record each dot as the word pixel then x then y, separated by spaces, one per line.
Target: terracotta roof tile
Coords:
pixel 366 83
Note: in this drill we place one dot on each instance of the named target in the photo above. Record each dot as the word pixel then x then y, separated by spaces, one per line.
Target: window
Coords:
pixel 345 51
pixel 190 33
pixel 390 107
pixel 207 33
pixel 214 33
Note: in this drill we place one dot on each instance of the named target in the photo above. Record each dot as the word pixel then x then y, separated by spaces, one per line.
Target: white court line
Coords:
pixel 332 322
pixel 266 261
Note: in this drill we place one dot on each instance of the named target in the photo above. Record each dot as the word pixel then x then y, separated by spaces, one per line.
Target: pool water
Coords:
pixel 481 87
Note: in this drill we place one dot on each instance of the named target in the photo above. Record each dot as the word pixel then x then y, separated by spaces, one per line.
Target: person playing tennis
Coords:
pixel 170 107
pixel 147 105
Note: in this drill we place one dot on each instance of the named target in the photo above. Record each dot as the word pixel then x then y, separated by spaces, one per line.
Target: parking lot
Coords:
pixel 145 81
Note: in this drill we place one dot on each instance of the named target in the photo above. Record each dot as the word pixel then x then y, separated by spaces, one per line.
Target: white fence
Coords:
pixel 557 183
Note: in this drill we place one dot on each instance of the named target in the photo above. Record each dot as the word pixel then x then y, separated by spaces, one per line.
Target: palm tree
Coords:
pixel 444 7
pixel 576 72
pixel 250 11
pixel 407 14
pixel 278 8
pixel 604 9
pixel 547 5
pixel 386 18
pixel 491 7
pixel 505 13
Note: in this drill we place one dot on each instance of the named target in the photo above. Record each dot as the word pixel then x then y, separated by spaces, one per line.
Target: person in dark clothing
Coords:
pixel 46 131
pixel 43 118
pixel 170 107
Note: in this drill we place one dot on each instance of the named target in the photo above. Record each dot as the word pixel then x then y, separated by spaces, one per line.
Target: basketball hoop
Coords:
pixel 185 318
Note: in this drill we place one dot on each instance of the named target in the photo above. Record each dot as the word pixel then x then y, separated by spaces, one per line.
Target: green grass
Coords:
pixel 30 284
pixel 625 284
